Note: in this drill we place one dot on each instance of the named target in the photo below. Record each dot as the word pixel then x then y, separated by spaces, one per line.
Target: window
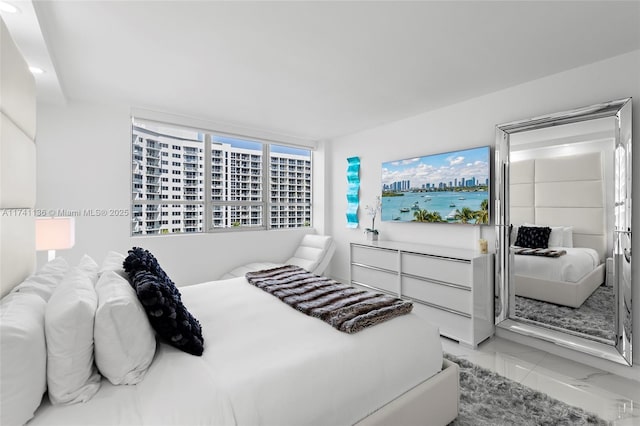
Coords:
pixel 224 183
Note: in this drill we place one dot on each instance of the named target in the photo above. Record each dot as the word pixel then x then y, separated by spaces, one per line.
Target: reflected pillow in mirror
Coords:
pixel 533 236
pixel 513 234
pixel 567 236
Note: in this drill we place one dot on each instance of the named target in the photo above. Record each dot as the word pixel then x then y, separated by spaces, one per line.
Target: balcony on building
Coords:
pixel 153 153
pixel 153 144
pixel 153 171
pixel 153 163
pixel 191 159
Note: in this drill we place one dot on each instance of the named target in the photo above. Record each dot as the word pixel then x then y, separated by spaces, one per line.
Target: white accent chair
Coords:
pixel 313 254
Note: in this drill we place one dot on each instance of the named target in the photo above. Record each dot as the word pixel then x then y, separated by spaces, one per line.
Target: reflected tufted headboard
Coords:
pixel 17 165
pixel 562 191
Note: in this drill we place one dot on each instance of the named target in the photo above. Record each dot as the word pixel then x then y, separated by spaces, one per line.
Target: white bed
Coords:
pixel 566 280
pixel 566 194
pixel 570 267
pixel 266 363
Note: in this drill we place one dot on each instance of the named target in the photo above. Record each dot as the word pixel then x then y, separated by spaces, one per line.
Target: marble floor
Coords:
pixel 612 397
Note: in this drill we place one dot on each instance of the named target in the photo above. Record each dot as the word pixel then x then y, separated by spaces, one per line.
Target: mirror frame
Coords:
pixel 620 110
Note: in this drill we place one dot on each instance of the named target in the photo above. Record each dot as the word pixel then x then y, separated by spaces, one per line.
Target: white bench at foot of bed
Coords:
pixel 434 401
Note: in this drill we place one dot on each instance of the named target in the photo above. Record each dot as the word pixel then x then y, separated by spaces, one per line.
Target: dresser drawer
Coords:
pixel 451 325
pixel 438 294
pixel 450 271
pixel 383 280
pixel 380 258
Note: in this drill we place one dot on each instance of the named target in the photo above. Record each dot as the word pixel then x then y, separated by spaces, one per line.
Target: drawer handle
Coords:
pixel 437 257
pixel 373 288
pixel 441 308
pixel 375 268
pixel 432 281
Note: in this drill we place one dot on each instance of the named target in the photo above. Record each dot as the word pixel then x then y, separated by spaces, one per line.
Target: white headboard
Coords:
pixel 562 191
pixel 17 165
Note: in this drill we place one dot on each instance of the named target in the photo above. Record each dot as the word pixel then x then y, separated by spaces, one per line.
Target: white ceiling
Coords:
pixel 317 70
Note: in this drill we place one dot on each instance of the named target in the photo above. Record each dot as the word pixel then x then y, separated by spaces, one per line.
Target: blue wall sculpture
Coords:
pixel 353 191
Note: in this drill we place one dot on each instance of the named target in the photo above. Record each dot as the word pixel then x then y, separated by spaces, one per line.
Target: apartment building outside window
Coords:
pixel 219 182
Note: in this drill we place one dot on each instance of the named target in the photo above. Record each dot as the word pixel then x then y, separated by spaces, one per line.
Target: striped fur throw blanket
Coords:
pixel 546 252
pixel 342 306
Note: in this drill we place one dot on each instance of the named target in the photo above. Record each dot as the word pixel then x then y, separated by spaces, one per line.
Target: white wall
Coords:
pixel 464 125
pixel 84 162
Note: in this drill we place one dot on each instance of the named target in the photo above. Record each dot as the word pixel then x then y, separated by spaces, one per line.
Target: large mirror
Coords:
pixel 563 229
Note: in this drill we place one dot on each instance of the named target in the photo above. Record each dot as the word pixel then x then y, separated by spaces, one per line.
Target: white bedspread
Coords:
pixel 265 363
pixel 570 267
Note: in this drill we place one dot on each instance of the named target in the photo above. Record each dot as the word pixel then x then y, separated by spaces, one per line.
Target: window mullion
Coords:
pixel 208 208
pixel 266 187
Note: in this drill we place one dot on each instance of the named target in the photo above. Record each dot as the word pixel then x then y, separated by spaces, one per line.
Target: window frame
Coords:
pixel 208 204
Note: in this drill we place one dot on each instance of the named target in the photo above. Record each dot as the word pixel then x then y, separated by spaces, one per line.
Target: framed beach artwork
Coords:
pixel 451 187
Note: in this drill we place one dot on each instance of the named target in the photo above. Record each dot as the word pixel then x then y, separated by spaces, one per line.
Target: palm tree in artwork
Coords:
pixel 482 215
pixel 423 215
pixel 427 216
pixel 420 215
pixel 434 216
pixel 465 215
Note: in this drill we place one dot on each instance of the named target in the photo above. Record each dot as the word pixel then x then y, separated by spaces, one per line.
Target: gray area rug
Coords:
pixel 596 316
pixel 488 399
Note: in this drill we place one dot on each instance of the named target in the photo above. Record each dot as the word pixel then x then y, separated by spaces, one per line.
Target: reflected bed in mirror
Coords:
pixel 563 192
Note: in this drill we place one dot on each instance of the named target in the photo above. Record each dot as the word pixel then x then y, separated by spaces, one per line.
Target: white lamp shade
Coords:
pixel 55 233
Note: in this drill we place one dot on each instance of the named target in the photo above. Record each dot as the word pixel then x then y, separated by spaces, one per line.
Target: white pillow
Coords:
pixel 555 238
pixel 23 370
pixel 71 373
pixel 113 262
pixel 567 236
pixel 125 343
pixel 45 281
pixel 514 233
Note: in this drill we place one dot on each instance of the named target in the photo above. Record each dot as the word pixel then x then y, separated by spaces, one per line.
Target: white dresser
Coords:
pixel 452 288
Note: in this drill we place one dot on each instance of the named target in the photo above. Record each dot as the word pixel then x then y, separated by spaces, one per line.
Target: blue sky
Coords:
pixel 246 144
pixel 433 169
